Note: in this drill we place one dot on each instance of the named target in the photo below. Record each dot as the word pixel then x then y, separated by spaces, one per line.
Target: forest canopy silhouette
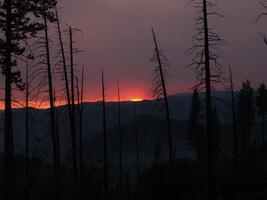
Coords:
pixel 58 142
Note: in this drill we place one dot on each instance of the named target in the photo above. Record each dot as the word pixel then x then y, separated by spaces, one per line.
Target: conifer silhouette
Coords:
pixel 261 103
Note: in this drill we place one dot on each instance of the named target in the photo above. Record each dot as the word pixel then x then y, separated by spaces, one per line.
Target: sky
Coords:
pixel 116 37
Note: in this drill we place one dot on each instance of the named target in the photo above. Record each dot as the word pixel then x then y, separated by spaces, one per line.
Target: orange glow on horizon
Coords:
pixel 136 99
pixel 46 105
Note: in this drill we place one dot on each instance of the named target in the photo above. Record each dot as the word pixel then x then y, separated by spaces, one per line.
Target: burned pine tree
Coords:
pixel 73 136
pixel 27 131
pixel 205 62
pixel 159 89
pixel 105 148
pixel 120 142
pixel 263 5
pixel 55 137
pixel 44 11
pixel 80 94
pixel 67 88
pixel 137 145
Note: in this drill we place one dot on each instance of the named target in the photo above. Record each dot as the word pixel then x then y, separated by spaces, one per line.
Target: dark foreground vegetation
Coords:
pixel 37 59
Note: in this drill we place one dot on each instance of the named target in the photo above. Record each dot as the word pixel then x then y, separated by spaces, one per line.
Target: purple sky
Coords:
pixel 117 38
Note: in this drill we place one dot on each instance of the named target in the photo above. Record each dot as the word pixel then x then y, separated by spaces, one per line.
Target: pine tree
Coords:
pixel 245 116
pixel 233 108
pixel 195 135
pixel 16 27
pixel 216 125
pixel 261 103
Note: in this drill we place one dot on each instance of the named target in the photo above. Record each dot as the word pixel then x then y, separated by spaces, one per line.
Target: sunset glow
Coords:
pixel 136 99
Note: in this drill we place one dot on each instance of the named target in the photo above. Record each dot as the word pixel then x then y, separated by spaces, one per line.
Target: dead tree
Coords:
pixel 137 145
pixel 263 5
pixel 159 88
pixel 73 136
pixel 205 62
pixel 55 137
pixel 27 131
pixel 67 90
pixel 104 136
pixel 80 94
pixel 120 142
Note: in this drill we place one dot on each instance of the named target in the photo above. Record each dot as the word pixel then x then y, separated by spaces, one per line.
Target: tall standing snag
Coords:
pixel 73 135
pixel 104 136
pixel 80 110
pixel 66 79
pixel 205 62
pixel 137 145
pixel 27 171
pixel 120 140
pixel 55 137
pixel 159 88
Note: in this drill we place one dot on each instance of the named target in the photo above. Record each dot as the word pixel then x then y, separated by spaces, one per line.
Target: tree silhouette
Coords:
pixel 104 136
pixel 66 78
pixel 27 131
pixel 137 145
pixel 261 103
pixel 245 116
pixel 206 63
pixel 159 88
pixel 73 135
pixel 80 96
pixel 216 125
pixel 233 106
pixel 196 130
pixel 120 142
pixel 44 9
pixel 263 5
pixel 15 27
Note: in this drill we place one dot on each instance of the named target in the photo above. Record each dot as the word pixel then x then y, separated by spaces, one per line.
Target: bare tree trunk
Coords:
pixel 120 142
pixel 71 121
pixel 27 133
pixel 55 137
pixel 80 102
pixel 235 150
pixel 73 136
pixel 210 140
pixel 9 148
pixel 136 143
pixel 105 138
pixel 166 103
